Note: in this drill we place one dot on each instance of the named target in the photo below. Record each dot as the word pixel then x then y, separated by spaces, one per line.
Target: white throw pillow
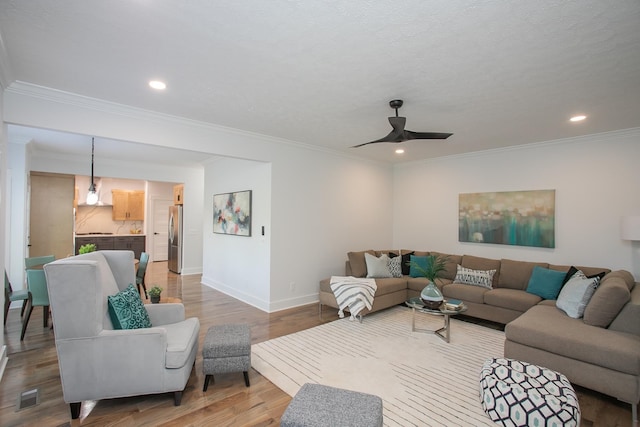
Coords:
pixel 377 267
pixel 576 293
pixel 395 266
pixel 468 276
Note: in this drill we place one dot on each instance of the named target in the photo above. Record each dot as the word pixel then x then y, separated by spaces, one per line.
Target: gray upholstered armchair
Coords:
pixel 97 362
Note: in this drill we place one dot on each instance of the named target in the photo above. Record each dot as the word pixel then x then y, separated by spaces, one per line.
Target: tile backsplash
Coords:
pixel 98 219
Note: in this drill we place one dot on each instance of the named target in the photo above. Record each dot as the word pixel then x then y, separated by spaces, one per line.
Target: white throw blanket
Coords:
pixel 354 293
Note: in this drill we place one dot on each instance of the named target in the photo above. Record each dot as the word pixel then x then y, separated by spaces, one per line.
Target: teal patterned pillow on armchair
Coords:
pixel 127 310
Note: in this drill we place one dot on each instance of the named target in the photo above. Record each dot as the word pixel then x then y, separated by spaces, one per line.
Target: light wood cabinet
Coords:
pixel 178 194
pixel 128 205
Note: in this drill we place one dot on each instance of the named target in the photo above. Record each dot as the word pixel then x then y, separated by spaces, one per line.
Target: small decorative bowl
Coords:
pixel 431 305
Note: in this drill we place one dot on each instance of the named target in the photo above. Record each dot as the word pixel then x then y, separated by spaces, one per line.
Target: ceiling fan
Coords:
pixel 399 134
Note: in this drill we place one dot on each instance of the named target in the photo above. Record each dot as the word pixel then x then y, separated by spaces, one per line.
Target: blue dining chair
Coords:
pixel 142 269
pixel 38 260
pixel 38 297
pixel 10 295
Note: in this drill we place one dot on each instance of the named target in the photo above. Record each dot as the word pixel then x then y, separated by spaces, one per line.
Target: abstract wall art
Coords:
pixel 522 218
pixel 232 213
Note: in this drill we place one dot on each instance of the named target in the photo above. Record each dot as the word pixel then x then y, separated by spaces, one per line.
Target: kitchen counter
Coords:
pixel 132 242
pixel 109 235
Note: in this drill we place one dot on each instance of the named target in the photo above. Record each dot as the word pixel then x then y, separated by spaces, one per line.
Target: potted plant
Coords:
pixel 431 295
pixel 89 247
pixel 154 294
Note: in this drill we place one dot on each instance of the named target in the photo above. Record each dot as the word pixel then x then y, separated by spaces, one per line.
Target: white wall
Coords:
pixel 596 178
pixel 239 265
pixel 315 207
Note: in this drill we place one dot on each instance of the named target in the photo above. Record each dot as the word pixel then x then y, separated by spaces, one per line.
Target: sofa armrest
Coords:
pixel 164 314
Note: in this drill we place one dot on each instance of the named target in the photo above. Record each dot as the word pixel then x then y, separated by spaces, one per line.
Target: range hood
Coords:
pixel 104 194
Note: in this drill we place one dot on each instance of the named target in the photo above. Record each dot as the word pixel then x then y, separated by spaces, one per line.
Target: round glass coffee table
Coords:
pixel 444 332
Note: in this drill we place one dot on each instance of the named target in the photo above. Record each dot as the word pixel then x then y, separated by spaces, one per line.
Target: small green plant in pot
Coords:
pixel 89 247
pixel 435 265
pixel 154 294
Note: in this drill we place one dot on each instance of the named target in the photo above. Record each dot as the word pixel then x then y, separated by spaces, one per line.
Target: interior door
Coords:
pixel 51 215
pixel 160 229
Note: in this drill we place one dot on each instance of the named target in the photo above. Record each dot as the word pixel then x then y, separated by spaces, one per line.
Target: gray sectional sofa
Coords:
pixel 599 351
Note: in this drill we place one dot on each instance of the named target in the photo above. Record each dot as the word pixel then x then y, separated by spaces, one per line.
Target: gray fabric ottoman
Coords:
pixel 226 348
pixel 318 405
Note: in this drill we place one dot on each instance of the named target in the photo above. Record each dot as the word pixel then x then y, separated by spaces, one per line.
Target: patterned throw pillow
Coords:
pixel 127 310
pixel 468 276
pixel 395 267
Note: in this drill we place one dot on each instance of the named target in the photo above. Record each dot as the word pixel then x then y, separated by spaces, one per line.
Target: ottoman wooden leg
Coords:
pixel 206 382
pixel 246 378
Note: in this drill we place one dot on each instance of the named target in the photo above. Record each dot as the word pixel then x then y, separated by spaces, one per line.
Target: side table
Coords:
pixel 445 332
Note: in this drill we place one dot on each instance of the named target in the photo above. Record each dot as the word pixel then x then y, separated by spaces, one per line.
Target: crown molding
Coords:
pixel 108 107
pixel 592 137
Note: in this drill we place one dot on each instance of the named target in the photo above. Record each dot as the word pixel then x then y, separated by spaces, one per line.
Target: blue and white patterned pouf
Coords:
pixel 515 393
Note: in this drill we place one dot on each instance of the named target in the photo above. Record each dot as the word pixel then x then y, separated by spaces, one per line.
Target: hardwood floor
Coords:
pixel 227 402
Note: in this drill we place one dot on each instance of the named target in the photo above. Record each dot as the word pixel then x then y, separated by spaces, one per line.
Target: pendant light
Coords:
pixel 92 196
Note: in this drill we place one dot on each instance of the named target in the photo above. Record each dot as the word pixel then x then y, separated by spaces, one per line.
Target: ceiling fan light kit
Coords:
pixel 399 133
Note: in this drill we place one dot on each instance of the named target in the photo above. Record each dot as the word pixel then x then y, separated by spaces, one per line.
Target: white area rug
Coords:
pixel 422 380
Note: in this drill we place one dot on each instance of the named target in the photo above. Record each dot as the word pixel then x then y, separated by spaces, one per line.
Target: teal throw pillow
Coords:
pixel 545 283
pixel 127 310
pixel 421 261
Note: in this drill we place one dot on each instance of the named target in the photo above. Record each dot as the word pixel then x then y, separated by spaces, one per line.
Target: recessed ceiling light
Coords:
pixel 399 151
pixel 157 84
pixel 578 118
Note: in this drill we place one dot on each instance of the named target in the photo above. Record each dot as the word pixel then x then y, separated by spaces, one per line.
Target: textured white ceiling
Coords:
pixel 495 73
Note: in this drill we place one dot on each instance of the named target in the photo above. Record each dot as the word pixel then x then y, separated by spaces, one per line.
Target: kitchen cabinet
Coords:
pixel 102 243
pixel 130 243
pixel 127 243
pixel 128 205
pixel 178 194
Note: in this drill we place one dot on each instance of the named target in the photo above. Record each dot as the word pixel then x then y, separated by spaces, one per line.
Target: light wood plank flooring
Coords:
pixel 33 364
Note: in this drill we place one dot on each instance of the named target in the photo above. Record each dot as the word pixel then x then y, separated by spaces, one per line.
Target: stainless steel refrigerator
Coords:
pixel 175 239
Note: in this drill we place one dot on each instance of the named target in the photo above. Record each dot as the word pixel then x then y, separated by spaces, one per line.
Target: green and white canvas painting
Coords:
pixel 522 218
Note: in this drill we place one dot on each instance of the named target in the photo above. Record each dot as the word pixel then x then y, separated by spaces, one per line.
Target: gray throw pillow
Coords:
pixel 576 293
pixel 377 267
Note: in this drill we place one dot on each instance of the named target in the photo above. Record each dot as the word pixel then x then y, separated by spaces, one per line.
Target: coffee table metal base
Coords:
pixel 444 332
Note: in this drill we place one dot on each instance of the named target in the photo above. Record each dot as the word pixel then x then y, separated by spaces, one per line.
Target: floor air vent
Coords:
pixel 28 398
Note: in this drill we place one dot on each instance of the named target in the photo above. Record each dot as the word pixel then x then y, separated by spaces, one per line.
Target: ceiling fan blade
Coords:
pixel 426 135
pixel 394 136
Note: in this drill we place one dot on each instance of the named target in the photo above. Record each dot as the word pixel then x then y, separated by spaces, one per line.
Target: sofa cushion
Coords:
pixel 418 283
pixel 377 267
pixel 573 270
pixel 390 285
pixel 416 263
pixel 406 258
pixel 465 292
pixel 516 274
pixel 576 293
pixel 548 328
pixel 451 264
pixel 390 252
pixel 395 266
pixel 545 283
pixel 358 263
pixel 609 298
pixel 127 311
pixel 511 298
pixel 588 271
pixel 469 276
pixel 479 263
